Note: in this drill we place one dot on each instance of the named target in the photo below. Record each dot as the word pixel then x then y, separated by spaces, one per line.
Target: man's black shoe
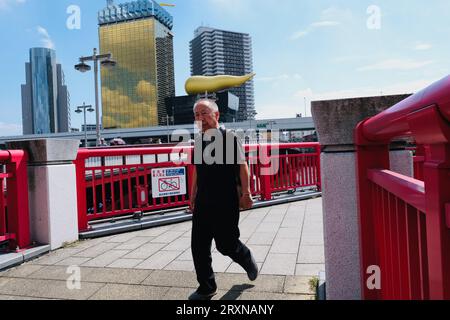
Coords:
pixel 196 296
pixel 252 273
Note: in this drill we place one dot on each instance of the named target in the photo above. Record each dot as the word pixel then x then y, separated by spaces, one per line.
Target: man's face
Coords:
pixel 206 117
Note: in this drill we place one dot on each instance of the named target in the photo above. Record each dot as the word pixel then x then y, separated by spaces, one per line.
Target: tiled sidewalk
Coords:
pixel 287 241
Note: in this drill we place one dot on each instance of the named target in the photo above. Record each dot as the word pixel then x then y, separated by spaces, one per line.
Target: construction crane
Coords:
pixel 166 5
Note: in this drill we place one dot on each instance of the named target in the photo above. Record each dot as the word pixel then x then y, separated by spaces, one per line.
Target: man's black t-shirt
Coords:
pixel 217 159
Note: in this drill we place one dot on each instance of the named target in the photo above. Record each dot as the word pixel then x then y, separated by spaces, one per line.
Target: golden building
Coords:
pixel 138 34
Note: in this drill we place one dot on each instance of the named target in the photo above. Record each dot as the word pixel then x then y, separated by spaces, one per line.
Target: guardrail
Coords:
pixel 14 211
pixel 404 222
pixel 121 181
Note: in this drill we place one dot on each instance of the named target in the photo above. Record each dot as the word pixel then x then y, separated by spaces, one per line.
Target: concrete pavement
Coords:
pixel 154 264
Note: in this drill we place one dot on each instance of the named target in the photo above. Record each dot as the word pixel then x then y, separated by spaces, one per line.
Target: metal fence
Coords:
pixel 120 182
pixel 14 211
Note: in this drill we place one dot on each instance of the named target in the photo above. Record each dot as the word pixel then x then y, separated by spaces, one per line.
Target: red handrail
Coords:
pixel 394 121
pixel 404 223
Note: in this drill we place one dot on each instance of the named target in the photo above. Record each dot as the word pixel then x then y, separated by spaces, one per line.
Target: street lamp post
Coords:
pixel 105 61
pixel 81 109
pixel 169 118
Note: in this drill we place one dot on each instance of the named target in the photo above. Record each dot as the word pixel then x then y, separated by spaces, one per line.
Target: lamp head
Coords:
pixel 82 67
pixel 108 63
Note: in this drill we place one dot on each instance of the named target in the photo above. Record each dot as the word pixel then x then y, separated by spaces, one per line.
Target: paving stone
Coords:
pixel 134 243
pixel 168 237
pixel 72 261
pixel 298 285
pixel 129 292
pixel 164 278
pixel 285 245
pixel 180 244
pixel 312 240
pixel 54 273
pixel 178 265
pixel 154 232
pixel 264 283
pixel 259 252
pixel 22 271
pixel 220 263
pixel 289 233
pixel 97 250
pixel 109 275
pixel 309 269
pixel 260 238
pixel 124 237
pixel 186 256
pixel 159 260
pixel 268 227
pixel 106 258
pixel 125 263
pixel 311 254
pixel 279 264
pixel 48 289
pixel 56 256
pixel 145 251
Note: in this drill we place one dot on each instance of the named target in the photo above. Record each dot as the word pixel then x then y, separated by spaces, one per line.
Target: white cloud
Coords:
pixel 301 100
pixel 322 24
pixel 396 64
pixel 330 17
pixel 295 76
pixel 420 46
pixel 46 40
pixel 6 4
pixel 10 129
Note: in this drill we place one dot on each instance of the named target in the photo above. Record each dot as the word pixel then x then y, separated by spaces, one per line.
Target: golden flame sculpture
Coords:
pixel 212 84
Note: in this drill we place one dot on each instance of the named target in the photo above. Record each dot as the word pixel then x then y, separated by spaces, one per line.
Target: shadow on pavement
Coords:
pixel 236 291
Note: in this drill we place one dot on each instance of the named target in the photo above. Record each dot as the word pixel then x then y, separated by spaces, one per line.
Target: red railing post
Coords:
pixel 368 156
pixel 80 167
pixel 319 173
pixel 17 201
pixel 437 193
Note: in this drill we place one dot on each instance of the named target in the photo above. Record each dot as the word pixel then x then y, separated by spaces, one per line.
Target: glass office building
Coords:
pixel 45 98
pixel 218 52
pixel 138 34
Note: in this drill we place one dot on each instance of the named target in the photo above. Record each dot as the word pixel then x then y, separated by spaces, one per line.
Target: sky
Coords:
pixel 303 50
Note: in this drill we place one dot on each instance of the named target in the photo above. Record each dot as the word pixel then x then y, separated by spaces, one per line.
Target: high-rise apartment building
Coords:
pixel 45 98
pixel 138 34
pixel 218 52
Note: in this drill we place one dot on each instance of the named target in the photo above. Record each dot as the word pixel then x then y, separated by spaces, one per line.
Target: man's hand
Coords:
pixel 246 201
pixel 192 205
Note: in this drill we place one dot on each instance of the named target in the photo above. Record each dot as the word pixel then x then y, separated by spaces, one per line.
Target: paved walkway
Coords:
pixel 287 241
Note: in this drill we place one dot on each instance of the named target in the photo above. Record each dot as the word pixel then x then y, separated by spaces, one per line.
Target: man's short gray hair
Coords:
pixel 211 104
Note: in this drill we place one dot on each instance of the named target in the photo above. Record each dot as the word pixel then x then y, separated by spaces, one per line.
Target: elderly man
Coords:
pixel 220 189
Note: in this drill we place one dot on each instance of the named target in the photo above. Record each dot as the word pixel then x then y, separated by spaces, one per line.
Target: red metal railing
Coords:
pixel 117 182
pixel 404 222
pixel 14 211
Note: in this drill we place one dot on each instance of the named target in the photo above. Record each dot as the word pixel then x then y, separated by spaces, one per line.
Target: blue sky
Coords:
pixel 303 50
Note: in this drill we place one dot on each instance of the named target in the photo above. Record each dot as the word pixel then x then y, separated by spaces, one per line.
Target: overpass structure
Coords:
pixel 134 135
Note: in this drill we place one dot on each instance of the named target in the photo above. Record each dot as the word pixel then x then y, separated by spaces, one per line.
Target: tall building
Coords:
pixel 218 52
pixel 138 34
pixel 45 98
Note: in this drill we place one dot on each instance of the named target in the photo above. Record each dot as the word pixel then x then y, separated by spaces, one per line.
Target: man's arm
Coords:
pixel 246 201
pixel 193 189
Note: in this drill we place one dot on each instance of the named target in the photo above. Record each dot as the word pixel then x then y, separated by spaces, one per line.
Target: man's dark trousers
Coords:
pixel 222 225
